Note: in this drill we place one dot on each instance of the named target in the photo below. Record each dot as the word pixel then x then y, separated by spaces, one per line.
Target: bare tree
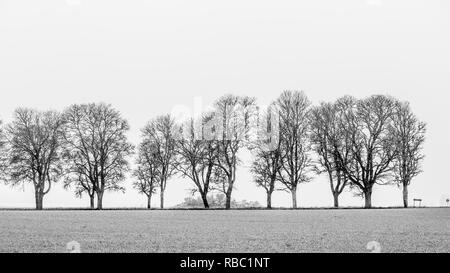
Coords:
pixel 34 150
pixel 161 133
pixel 329 142
pixel 147 172
pixel 265 170
pixel 410 138
pixel 267 155
pixel 294 110
pixel 3 153
pixel 197 157
pixel 232 119
pixel 97 149
pixel 368 124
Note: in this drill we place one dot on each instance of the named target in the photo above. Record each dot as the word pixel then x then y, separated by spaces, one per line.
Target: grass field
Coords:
pixel 411 230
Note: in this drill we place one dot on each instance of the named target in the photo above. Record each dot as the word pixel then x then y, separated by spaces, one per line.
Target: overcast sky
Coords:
pixel 146 57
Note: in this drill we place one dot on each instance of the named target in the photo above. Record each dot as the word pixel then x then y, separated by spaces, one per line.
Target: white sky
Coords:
pixel 146 57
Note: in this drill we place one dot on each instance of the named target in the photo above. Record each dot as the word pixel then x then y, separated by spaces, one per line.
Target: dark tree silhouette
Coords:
pixel 197 157
pixel 267 152
pixel 232 117
pixel 295 147
pixel 265 170
pixel 97 149
pixel 34 150
pixel 410 138
pixel 147 172
pixel 3 153
pixel 329 142
pixel 161 133
pixel 368 125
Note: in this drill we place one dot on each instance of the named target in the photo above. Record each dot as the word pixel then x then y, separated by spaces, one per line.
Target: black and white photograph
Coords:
pixel 240 128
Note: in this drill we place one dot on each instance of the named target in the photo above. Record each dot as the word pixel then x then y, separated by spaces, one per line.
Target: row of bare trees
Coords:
pixel 357 142
pixel 203 149
pixel 85 146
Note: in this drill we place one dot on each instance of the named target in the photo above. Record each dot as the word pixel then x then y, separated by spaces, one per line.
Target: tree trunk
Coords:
pixel 368 198
pixel 229 191
pixel 149 201
pixel 92 202
pixel 39 196
pixel 100 200
pixel 205 200
pixel 336 199
pixel 405 195
pixel 228 201
pixel 269 200
pixel 294 198
pixel 162 198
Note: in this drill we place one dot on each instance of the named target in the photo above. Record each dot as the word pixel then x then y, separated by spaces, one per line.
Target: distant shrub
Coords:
pixel 216 201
